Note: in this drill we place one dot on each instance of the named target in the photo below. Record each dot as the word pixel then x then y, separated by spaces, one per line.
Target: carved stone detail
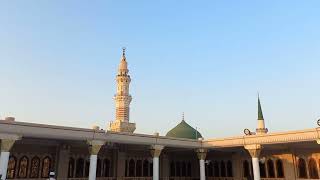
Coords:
pixel 202 153
pixel 95 146
pixel 6 144
pixel 254 150
pixel 156 150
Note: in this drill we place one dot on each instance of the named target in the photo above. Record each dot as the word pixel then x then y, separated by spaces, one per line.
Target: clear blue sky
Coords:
pixel 208 59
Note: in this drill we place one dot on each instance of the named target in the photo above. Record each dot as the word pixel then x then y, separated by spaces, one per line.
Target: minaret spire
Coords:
pixel 123 99
pixel 261 129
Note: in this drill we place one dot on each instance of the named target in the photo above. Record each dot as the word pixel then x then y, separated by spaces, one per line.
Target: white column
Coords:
pixel 202 153
pixel 94 148
pixel 4 158
pixel 155 152
pixel 254 151
pixel 202 170
pixel 256 168
pixel 155 168
pixel 93 167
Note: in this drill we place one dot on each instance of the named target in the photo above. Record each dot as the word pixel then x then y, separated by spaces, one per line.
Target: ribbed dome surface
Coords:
pixel 184 130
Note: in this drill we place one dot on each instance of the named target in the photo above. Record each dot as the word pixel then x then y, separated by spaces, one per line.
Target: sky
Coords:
pixel 208 59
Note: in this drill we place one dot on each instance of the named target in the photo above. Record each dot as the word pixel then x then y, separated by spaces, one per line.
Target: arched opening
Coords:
pixel 86 168
pixel 184 169
pixel 178 169
pixel 302 169
pixel 139 168
pixel 172 169
pixel 210 169
pixel 216 169
pixel 189 169
pixel 313 170
pixel 11 167
pixel 280 171
pixel 262 167
pixel 106 165
pixel 46 165
pixel 79 167
pixel 35 167
pixel 229 169
pixel 98 170
pixel 145 168
pixel 246 169
pixel 270 167
pixel 223 169
pixel 132 168
pixel 71 168
pixel 151 169
pixel 23 167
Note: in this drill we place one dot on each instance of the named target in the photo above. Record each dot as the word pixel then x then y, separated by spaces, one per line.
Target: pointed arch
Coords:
pixel 99 168
pixel 313 170
pixel 106 165
pixel 270 166
pixel 262 167
pixel 71 168
pixel 246 169
pixel 145 168
pixel 132 168
pixel 229 169
pixel 189 169
pixel 23 167
pixel 79 167
pixel 46 165
pixel 172 169
pixel 280 170
pixel 139 168
pixel 35 167
pixel 302 168
pixel 223 169
pixel 11 167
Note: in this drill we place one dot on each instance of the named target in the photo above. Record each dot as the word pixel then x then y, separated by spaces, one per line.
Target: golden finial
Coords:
pixel 182 116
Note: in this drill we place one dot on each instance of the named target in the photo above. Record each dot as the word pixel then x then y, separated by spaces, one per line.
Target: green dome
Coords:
pixel 184 130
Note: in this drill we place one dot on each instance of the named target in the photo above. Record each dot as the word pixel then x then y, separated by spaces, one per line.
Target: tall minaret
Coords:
pixel 123 99
pixel 261 128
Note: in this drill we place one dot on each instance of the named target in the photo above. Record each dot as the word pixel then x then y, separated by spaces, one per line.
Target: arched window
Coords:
pixel 23 167
pixel 280 173
pixel 35 167
pixel 189 169
pixel 98 168
pixel 229 169
pixel 270 169
pixel 79 167
pixel 86 168
pixel 184 169
pixel 302 169
pixel 223 169
pixel 246 169
pixel 139 168
pixel 178 169
pixel 216 169
pixel 132 168
pixel 313 170
pixel 210 169
pixel 262 167
pixel 145 168
pixel 71 168
pixel 106 165
pixel 172 169
pixel 11 167
pixel 46 165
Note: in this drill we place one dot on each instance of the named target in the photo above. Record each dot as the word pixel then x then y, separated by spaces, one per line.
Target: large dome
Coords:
pixel 184 130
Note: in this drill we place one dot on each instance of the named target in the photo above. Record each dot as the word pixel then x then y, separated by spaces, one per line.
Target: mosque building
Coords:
pixel 31 151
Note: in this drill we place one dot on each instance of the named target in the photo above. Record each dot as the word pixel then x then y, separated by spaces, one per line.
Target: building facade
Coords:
pixel 31 151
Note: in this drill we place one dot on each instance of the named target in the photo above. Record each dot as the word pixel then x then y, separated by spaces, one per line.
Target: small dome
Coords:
pixel 184 130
